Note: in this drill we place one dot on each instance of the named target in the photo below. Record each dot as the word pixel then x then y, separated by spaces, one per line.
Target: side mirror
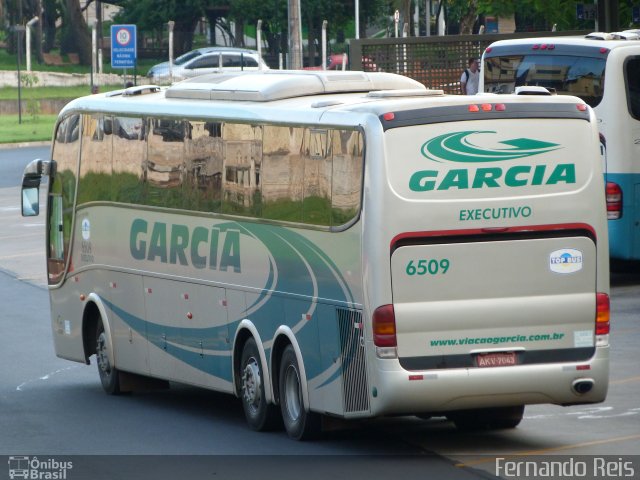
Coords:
pixel 30 201
pixel 31 186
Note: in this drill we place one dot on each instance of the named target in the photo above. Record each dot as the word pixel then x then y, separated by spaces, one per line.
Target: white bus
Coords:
pixel 323 244
pixel 603 70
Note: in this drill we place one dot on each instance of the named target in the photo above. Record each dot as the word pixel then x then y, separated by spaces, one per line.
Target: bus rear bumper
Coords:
pixel 398 391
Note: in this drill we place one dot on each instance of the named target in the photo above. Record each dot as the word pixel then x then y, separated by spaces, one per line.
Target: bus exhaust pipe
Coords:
pixel 582 386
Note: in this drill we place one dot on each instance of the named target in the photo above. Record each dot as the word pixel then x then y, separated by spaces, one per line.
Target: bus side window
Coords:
pixel 282 173
pixel 203 166
pixel 347 176
pixel 129 159
pixel 316 206
pixel 241 175
pixel 165 164
pixel 95 160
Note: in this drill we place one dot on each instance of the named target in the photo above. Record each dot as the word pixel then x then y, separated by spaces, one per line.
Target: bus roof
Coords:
pixel 283 97
pixel 592 39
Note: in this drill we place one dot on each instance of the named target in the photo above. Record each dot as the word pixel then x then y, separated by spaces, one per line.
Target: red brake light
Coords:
pixel 384 327
pixel 604 50
pixel 389 116
pixel 535 47
pixel 582 107
pixel 614 201
pixel 551 46
pixel 488 50
pixel 603 310
pixel 474 108
pixel 543 46
pixel 486 107
pixel 500 107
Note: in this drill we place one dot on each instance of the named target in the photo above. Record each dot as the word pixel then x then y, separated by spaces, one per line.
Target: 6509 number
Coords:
pixel 428 267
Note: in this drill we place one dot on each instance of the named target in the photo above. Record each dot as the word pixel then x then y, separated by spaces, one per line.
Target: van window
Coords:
pixel 565 74
pixel 632 75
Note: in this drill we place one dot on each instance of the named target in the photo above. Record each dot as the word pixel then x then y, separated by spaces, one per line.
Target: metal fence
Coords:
pixel 437 62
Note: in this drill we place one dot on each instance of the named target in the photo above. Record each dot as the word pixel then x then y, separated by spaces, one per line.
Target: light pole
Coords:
pixel 28 32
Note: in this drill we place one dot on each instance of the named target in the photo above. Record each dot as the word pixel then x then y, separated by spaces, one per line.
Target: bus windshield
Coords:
pixel 565 74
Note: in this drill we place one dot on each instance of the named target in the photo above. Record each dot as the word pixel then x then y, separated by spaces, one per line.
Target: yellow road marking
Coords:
pixel 548 450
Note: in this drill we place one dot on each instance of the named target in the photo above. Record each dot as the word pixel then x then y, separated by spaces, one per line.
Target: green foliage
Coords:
pixel 33 104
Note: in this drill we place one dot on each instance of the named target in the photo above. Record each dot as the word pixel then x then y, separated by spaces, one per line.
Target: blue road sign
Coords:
pixel 123 46
pixel 635 14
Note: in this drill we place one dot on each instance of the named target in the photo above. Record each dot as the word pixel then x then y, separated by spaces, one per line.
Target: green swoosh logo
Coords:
pixel 457 147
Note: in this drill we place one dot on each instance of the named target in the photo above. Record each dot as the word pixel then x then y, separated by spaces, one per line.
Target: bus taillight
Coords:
pixel 603 314
pixel 614 201
pixel 384 331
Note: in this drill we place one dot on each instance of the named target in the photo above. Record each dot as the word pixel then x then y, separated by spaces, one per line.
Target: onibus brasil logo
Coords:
pixel 459 147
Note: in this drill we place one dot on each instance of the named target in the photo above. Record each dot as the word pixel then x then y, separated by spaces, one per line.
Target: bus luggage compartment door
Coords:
pixel 494 303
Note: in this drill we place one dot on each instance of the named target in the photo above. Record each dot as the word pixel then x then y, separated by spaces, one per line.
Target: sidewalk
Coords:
pixel 7 146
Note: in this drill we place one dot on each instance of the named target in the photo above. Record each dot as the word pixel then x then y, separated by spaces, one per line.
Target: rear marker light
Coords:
pixel 543 46
pixel 488 50
pixel 583 367
pixel 500 107
pixel 551 47
pixel 486 107
pixel 416 377
pixel 389 116
pixel 614 201
pixel 535 47
pixel 604 50
pixel 384 327
pixel 603 310
pixel 582 107
pixel 474 108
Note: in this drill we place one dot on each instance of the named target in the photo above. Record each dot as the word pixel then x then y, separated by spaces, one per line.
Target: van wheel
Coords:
pixel 487 418
pixel 299 424
pixel 109 374
pixel 260 415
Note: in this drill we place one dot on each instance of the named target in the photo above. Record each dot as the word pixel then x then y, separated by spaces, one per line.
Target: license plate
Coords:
pixel 496 359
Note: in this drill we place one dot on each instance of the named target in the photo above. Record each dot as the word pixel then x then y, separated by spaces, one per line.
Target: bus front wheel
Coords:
pixel 259 413
pixel 299 423
pixel 109 374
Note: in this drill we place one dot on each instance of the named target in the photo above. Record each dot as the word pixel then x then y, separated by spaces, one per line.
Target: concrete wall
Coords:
pixel 58 79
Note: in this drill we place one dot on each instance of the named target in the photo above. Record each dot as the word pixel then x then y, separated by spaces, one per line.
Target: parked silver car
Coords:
pixel 207 60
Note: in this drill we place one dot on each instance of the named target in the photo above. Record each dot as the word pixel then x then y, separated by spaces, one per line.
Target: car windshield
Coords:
pixel 186 57
pixel 564 74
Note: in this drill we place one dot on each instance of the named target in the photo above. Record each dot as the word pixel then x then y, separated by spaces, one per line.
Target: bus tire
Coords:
pixel 487 418
pixel 109 374
pixel 299 423
pixel 260 415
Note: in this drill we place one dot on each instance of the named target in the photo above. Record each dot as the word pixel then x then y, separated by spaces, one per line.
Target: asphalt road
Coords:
pixel 53 408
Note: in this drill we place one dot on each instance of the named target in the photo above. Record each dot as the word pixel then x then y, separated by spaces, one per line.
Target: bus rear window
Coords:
pixel 632 76
pixel 564 74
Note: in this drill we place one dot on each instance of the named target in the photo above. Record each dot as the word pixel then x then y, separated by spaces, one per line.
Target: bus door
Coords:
pixel 62 188
pixel 632 81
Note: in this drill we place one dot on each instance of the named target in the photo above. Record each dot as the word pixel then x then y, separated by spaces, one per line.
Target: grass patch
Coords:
pixel 11 93
pixel 30 130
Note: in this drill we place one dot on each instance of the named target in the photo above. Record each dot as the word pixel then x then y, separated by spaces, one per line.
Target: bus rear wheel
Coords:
pixel 109 374
pixel 487 418
pixel 299 423
pixel 260 415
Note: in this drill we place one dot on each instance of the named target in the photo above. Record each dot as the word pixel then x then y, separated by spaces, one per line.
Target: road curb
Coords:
pixel 7 146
